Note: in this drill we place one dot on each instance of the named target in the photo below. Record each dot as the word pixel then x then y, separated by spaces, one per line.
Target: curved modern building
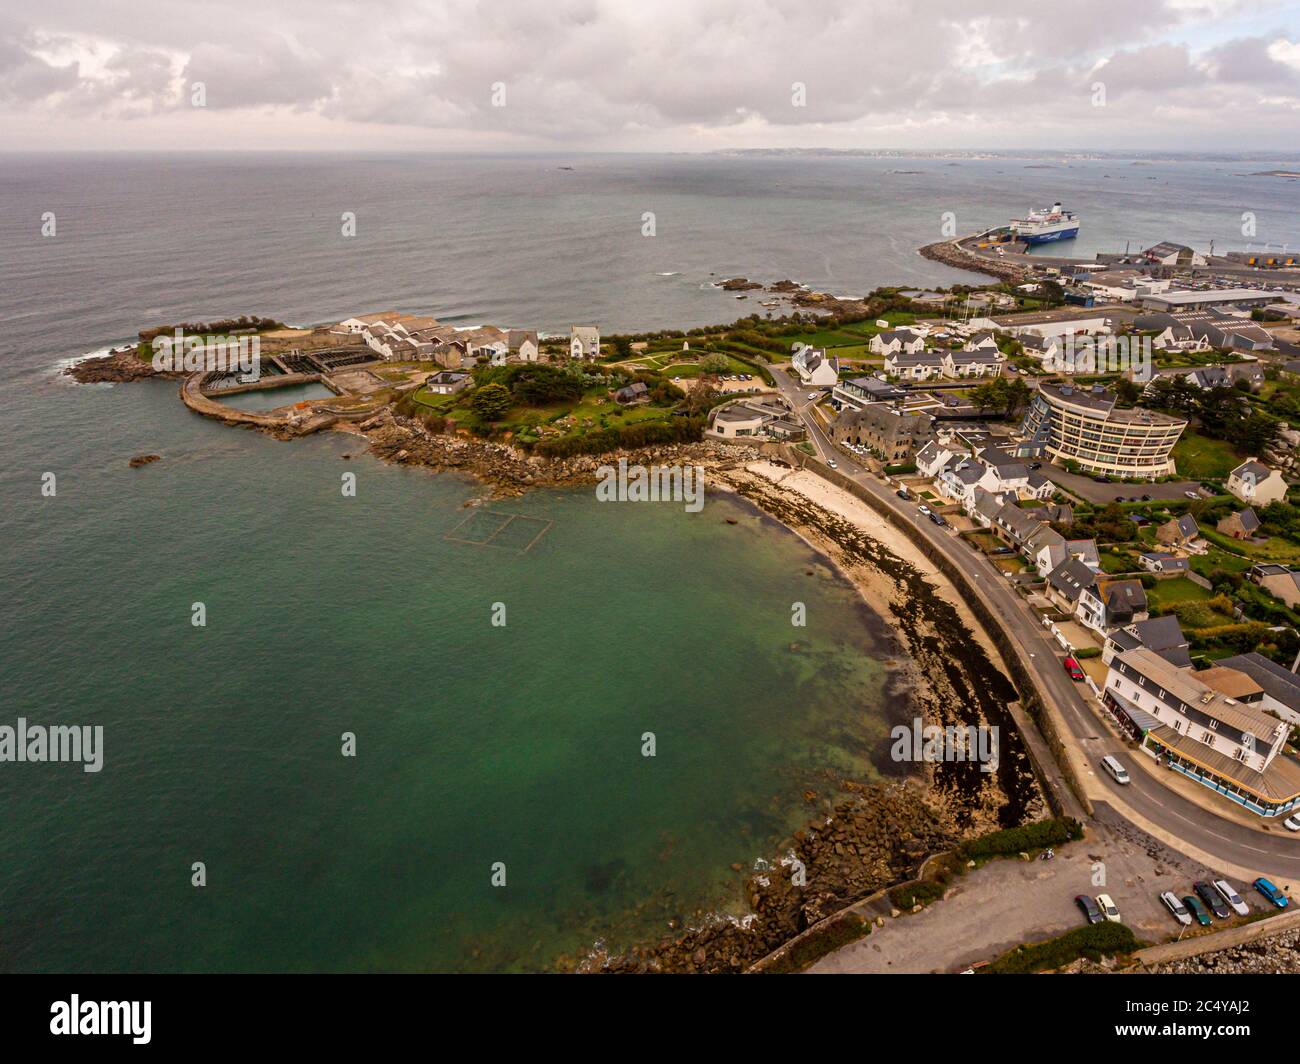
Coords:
pixel 1084 425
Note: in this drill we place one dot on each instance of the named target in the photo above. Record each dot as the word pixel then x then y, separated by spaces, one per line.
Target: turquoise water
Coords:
pixel 270 398
pixel 326 614
pixel 475 744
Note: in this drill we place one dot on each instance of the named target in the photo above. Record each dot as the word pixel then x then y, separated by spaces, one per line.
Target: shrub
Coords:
pixel 1092 942
pixel 1026 837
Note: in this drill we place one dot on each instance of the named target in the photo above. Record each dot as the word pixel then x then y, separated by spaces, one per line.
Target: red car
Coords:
pixel 1072 667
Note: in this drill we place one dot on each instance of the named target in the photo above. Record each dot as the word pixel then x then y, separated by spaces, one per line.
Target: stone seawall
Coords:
pixel 1041 711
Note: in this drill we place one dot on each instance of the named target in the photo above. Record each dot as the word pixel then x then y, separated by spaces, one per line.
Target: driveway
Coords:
pixel 1087 488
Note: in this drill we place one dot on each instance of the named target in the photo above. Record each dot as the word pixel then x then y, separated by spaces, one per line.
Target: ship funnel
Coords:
pixel 1056 206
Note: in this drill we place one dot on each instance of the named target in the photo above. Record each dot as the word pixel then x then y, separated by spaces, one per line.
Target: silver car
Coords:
pixel 1176 907
pixel 1233 899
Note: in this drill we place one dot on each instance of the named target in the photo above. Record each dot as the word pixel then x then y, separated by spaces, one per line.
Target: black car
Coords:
pixel 1090 908
pixel 903 493
pixel 1102 479
pixel 1211 897
pixel 938 520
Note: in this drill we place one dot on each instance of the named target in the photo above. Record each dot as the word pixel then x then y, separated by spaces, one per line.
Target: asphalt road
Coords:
pixel 1277 855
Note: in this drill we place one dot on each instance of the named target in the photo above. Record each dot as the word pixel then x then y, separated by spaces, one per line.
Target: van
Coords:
pixel 1114 769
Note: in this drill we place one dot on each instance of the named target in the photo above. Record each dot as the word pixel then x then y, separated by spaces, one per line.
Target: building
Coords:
pixel 1178 531
pixel 1161 635
pixel 1221 297
pixel 814 368
pixel 860 391
pixel 522 344
pixel 894 341
pixel 362 322
pixel 1048 323
pixel 1167 254
pixel 1159 562
pixel 1280 688
pixel 1232 747
pixel 765 416
pixel 977 362
pixel 1254 482
pixel 1241 525
pixel 636 392
pixel 921 366
pixel 894 437
pixel 1278 581
pixel 584 342
pixel 1084 425
pixel 1067 583
pixel 447 382
pixel 1108 604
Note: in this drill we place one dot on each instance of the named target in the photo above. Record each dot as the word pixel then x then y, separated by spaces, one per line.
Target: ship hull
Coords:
pixel 1047 238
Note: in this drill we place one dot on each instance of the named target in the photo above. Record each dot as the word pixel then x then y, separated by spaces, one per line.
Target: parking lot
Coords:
pixel 1087 488
pixel 994 908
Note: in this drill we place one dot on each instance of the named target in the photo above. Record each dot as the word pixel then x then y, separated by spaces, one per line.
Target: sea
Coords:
pixel 391 745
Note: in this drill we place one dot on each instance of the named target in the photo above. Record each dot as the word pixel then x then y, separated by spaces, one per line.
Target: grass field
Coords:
pixel 1201 458
pixel 1169 593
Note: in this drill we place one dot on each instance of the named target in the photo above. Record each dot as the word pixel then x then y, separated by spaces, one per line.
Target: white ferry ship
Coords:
pixel 1051 223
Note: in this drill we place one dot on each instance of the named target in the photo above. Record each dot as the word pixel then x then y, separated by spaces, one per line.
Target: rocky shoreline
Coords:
pixel 948 253
pixel 117 367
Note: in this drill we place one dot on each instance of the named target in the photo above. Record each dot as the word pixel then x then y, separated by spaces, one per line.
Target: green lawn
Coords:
pixel 1169 593
pixel 1201 458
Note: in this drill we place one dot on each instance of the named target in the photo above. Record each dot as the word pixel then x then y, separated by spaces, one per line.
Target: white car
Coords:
pixel 1231 897
pixel 1177 908
pixel 812 397
pixel 1292 823
pixel 924 509
pixel 832 463
pixel 1108 908
pixel 1191 494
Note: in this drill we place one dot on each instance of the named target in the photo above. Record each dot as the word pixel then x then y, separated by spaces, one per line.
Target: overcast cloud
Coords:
pixel 661 74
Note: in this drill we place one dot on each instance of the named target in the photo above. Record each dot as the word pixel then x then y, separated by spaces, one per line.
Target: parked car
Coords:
pixel 1231 897
pixel 903 494
pixel 938 520
pixel 1177 908
pixel 924 509
pixel 1199 913
pixel 1089 908
pixel 1292 823
pixel 1275 896
pixel 1102 479
pixel 1108 908
pixel 1072 667
pixel 1192 494
pixel 1205 889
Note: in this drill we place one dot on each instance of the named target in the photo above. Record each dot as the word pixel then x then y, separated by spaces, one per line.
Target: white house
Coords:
pixel 1256 483
pixel 814 368
pixel 895 340
pixel 584 341
pixel 920 366
pixel 522 344
pixel 976 362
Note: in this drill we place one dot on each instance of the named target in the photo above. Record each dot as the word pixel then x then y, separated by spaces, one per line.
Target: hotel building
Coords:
pixel 1207 726
pixel 1085 426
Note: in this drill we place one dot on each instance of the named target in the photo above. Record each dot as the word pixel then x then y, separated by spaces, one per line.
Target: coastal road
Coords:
pixel 1146 802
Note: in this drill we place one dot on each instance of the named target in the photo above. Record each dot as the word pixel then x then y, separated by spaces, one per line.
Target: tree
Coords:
pixel 1128 392
pixel 714 363
pixel 491 401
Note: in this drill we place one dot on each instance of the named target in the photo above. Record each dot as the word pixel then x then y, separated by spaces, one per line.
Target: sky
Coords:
pixel 650 75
